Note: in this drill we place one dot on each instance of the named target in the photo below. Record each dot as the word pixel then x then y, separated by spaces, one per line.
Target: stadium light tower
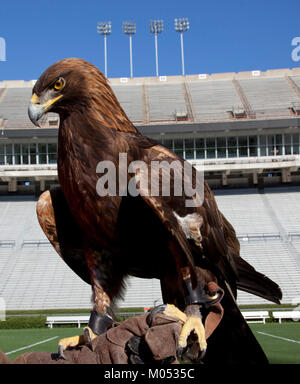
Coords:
pixel 104 28
pixel 182 25
pixel 156 27
pixel 129 28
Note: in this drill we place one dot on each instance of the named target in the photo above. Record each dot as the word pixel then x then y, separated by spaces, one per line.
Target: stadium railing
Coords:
pixel 7 243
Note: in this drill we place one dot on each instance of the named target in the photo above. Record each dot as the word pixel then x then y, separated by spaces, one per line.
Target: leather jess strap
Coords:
pixel 216 310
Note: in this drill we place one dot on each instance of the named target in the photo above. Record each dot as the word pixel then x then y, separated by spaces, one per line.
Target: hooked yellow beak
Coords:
pixel 36 109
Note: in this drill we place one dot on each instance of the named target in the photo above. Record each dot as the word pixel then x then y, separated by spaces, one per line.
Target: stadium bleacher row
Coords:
pixel 209 98
pixel 14 104
pixel 32 275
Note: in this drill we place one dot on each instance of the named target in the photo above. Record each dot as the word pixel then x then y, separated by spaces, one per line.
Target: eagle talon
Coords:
pixel 180 352
pixel 61 354
pixel 159 309
pixel 89 336
pixel 88 339
pixel 75 341
pixel 202 354
pixel 192 322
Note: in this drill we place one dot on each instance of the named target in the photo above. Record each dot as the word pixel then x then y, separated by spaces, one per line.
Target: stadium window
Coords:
pixel 25 153
pixel 9 154
pixel 271 145
pixel 253 151
pixel 200 148
pixel 253 146
pixel 169 144
pixel 232 146
pixel 1 154
pixel 189 149
pixel 287 144
pixel 295 143
pixel 221 147
pixel 210 148
pixel 178 147
pixel 17 153
pixel 263 145
pixel 52 153
pixel 243 146
pixel 278 144
pixel 42 153
pixel 33 153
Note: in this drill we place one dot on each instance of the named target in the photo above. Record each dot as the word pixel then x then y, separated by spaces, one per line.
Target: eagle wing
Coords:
pixel 62 231
pixel 197 230
pixel 202 233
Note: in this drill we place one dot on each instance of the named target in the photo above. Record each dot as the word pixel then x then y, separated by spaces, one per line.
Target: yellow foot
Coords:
pixel 89 336
pixel 75 341
pixel 173 311
pixel 191 323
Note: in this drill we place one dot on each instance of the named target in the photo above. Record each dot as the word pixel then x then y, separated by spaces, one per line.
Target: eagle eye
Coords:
pixel 58 85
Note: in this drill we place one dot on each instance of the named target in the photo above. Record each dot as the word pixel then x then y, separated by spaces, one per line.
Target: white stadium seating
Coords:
pixel 248 213
pixel 14 105
pixel 212 99
pixel 131 99
pixel 269 95
pixel 165 100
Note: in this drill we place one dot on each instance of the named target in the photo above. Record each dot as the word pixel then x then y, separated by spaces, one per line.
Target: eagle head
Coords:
pixel 75 85
pixel 64 86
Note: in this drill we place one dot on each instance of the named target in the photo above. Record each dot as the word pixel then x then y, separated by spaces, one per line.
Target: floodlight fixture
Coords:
pixel 182 25
pixel 129 28
pixel 104 29
pixel 156 27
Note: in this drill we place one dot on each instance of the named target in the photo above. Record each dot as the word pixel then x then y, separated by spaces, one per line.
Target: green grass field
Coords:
pixel 281 342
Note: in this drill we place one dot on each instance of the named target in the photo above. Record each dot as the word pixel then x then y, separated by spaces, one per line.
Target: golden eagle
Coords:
pixel 106 238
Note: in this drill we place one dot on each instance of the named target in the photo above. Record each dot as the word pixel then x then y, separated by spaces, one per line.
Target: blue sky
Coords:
pixel 225 36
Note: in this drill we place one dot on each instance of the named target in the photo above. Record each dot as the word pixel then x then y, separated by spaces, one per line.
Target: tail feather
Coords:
pixel 256 283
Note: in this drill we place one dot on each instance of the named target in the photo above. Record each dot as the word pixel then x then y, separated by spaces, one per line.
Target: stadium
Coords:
pixel 243 128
